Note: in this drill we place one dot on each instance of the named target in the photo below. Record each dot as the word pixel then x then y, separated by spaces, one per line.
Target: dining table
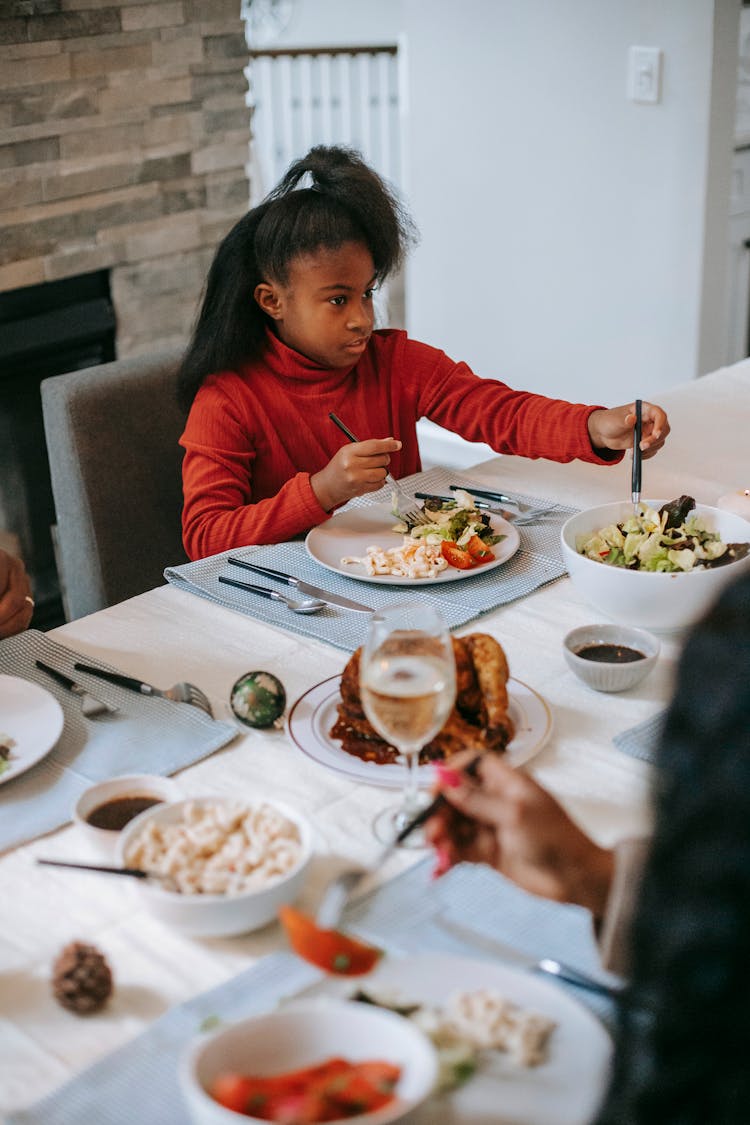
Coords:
pixel 169 634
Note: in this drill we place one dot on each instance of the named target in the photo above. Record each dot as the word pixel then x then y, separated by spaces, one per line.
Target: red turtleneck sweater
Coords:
pixel 254 437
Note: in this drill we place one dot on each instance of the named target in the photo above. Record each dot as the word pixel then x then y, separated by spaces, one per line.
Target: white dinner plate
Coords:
pixel 566 1089
pixel 32 719
pixel 351 532
pixel 314 714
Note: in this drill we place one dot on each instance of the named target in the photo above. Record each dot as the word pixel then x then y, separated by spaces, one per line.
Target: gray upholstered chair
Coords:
pixel 112 434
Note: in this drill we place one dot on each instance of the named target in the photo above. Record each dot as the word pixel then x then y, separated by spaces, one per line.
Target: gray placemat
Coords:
pixel 138 1082
pixel 537 562
pixel 147 735
pixel 642 740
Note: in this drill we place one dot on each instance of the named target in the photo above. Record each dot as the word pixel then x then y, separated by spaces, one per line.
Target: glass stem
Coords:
pixel 410 803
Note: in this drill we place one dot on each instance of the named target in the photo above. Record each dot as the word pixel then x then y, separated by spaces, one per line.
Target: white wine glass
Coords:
pixel 407 677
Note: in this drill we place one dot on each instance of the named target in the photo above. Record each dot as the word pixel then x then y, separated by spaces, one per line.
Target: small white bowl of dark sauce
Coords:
pixel 610 657
pixel 103 810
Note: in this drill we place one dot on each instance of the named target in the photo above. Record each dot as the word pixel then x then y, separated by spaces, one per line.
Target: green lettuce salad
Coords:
pixel 669 540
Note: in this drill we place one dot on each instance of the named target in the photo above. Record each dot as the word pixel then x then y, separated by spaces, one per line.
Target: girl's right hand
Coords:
pixel 354 470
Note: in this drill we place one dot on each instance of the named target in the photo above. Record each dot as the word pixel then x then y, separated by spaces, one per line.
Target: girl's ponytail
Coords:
pixel 340 178
pixel 347 201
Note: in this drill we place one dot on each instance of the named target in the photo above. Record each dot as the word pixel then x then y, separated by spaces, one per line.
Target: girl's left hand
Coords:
pixel 613 429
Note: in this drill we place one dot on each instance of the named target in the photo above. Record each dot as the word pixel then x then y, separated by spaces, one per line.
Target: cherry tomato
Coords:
pixel 455 555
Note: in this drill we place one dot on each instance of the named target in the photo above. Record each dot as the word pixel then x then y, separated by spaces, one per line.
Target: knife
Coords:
pixel 499 496
pixel 89 702
pixel 303 587
pixel 481 505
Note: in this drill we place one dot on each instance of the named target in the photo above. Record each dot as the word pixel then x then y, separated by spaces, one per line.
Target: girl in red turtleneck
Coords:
pixel 285 336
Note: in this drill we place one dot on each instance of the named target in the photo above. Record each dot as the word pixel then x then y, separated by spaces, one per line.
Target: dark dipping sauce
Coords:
pixel 115 814
pixel 610 654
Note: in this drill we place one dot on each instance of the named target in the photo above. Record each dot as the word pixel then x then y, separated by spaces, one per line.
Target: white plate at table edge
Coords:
pixel 42 726
pixel 313 714
pixel 329 542
pixel 579 1051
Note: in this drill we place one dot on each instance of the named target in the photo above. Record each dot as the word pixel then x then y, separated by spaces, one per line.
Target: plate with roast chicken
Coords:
pixel 493 712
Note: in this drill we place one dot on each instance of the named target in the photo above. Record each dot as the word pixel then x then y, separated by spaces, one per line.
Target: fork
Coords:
pixel 533 515
pixel 182 692
pixel 527 511
pixel 414 516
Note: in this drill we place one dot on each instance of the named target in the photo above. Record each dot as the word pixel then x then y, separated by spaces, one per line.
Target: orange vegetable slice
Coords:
pixel 455 555
pixel 329 950
pixel 479 550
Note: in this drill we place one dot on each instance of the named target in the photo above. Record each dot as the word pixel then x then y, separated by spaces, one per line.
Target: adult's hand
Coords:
pixel 16 603
pixel 613 429
pixel 502 817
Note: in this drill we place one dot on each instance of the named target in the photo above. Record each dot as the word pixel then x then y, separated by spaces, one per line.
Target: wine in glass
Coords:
pixel 408 686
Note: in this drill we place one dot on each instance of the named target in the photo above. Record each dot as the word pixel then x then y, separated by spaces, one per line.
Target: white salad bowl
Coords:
pixel 655 601
pixel 302 1034
pixel 217 915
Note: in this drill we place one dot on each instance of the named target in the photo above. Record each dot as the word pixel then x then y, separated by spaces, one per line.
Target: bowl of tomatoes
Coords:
pixel 310 1061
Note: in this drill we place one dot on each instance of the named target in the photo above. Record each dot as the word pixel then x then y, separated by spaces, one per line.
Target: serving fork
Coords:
pixel 342 886
pixel 182 692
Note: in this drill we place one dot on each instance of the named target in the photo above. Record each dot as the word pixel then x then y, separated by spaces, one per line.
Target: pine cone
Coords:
pixel 81 978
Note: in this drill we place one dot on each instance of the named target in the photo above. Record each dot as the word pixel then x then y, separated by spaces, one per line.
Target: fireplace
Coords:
pixel 124 162
pixel 44 330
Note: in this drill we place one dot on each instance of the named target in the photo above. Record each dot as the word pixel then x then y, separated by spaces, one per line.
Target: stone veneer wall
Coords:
pixel 123 145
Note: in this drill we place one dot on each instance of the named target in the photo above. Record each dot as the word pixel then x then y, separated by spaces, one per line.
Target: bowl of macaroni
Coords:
pixel 226 865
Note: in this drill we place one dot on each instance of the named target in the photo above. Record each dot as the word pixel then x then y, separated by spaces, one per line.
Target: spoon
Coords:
pixel 166 881
pixel 307 605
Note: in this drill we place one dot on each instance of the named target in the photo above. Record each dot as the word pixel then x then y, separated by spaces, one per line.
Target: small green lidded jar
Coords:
pixel 258 700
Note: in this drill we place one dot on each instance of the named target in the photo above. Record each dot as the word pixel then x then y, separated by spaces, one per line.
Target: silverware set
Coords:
pixel 93 707
pixel 182 692
pixel 526 514
pixel 316 599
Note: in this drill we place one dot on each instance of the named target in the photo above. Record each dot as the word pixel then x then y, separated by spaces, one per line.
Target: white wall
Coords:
pixel 563 225
pixel 571 239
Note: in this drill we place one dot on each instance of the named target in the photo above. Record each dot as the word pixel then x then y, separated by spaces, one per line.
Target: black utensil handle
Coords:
pixel 444 499
pixel 437 803
pixel 267 570
pixel 59 676
pixel 344 429
pixel 136 872
pixel 486 493
pixel 433 496
pixel 262 590
pixel 114 677
pixel 637 432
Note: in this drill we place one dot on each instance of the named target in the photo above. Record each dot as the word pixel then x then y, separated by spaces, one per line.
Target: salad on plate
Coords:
pixel 669 540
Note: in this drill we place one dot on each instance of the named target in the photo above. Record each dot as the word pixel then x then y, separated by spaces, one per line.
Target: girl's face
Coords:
pixel 325 311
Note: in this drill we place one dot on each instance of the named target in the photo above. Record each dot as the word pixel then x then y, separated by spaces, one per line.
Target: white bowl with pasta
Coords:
pixel 232 863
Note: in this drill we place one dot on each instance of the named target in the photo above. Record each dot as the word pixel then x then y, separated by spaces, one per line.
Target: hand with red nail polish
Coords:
pixel 504 818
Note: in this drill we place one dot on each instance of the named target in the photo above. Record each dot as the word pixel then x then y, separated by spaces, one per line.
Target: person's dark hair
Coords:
pixel 682 1048
pixel 347 201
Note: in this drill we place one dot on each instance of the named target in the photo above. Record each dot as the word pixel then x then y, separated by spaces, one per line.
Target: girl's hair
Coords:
pixel 681 1055
pixel 347 201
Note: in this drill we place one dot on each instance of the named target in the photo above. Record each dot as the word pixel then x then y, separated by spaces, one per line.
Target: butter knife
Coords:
pixel 303 587
pixel 481 505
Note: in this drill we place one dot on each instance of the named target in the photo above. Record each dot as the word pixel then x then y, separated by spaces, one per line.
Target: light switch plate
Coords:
pixel 644 74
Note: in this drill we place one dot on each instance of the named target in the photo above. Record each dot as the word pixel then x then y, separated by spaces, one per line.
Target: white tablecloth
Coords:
pixel 167 635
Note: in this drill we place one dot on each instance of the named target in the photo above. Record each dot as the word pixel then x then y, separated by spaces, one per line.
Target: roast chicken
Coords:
pixel 479 720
